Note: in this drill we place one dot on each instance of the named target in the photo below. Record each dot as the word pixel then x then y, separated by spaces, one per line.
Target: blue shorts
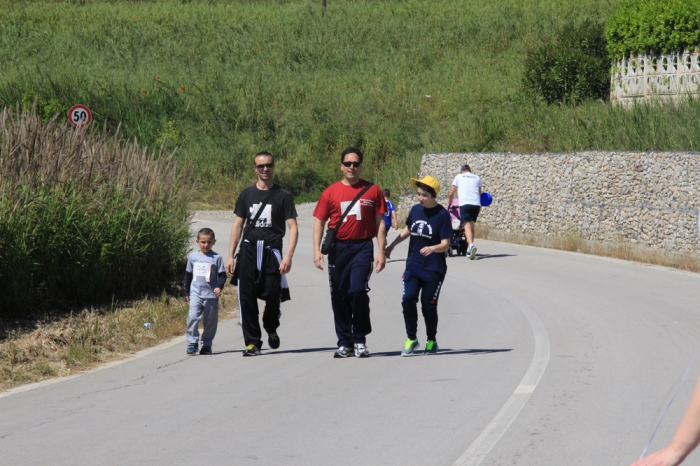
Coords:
pixel 469 212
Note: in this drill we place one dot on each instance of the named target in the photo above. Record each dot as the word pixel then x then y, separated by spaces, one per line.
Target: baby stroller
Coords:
pixel 458 244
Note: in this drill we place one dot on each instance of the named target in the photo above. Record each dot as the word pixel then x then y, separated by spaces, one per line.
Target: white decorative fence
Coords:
pixel 647 77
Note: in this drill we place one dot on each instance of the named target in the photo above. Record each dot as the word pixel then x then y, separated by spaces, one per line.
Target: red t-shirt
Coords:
pixel 359 223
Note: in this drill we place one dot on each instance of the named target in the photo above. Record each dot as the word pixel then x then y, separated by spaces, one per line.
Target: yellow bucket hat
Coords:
pixel 428 181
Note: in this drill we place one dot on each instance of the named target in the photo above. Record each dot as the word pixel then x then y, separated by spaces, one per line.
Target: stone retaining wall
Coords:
pixel 645 198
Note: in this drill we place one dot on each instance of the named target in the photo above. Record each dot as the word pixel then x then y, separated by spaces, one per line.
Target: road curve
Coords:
pixel 619 337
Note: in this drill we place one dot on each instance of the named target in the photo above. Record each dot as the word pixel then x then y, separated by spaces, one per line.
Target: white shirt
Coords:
pixel 468 185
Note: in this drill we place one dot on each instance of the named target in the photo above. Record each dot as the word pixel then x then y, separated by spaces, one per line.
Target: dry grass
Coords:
pixel 572 241
pixel 38 154
pixel 72 344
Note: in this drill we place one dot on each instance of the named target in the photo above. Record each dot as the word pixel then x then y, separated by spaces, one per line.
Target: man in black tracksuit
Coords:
pixel 261 265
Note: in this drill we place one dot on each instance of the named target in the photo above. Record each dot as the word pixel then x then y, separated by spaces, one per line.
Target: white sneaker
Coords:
pixel 342 352
pixel 471 253
pixel 361 350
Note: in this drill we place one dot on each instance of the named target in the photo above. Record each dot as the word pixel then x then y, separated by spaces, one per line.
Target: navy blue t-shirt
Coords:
pixel 428 227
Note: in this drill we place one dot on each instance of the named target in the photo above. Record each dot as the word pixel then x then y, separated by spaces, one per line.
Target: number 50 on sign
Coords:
pixel 79 116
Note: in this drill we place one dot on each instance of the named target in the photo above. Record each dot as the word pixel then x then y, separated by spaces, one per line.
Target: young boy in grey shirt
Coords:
pixel 205 277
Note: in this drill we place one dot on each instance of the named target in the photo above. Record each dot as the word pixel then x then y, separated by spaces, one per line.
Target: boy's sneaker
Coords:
pixel 205 350
pixel 472 253
pixel 410 347
pixel 273 340
pixel 251 350
pixel 342 352
pixel 431 347
pixel 192 348
pixel 361 350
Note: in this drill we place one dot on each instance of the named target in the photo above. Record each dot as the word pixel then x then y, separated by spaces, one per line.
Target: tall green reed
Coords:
pixel 84 216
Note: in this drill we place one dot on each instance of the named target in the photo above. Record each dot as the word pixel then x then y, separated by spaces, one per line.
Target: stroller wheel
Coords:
pixel 450 252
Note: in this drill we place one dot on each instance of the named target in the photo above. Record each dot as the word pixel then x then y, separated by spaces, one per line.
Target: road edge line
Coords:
pixel 498 426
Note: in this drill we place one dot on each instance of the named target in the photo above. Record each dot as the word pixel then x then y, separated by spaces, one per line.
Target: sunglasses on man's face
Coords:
pixel 352 164
pixel 264 165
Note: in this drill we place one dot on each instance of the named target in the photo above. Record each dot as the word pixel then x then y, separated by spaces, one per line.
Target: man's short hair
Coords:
pixel 466 168
pixel 386 192
pixel 206 232
pixel 425 187
pixel 351 150
pixel 265 154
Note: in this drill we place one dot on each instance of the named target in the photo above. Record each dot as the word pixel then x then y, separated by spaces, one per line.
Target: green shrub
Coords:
pixel 83 216
pixel 653 26
pixel 574 66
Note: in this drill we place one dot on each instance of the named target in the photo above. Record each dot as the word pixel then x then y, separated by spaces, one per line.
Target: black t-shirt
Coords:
pixel 271 225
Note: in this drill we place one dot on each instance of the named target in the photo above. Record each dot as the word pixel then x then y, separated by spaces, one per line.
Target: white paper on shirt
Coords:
pixel 356 211
pixel 202 269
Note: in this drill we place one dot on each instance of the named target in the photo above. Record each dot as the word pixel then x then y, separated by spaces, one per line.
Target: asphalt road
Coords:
pixel 549 358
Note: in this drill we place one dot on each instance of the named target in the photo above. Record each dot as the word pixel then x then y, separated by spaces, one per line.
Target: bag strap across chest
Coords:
pixel 251 224
pixel 352 204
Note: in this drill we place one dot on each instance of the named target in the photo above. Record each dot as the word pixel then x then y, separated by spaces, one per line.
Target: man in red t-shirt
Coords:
pixel 350 262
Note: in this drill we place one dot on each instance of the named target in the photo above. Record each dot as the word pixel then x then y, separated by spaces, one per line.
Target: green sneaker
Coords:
pixel 472 253
pixel 273 340
pixel 431 347
pixel 251 350
pixel 410 347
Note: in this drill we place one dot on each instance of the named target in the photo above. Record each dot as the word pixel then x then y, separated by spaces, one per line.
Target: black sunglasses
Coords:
pixel 264 165
pixel 352 164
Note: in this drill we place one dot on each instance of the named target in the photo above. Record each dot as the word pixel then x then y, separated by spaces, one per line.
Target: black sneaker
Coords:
pixel 205 350
pixel 273 340
pixel 251 350
pixel 192 348
pixel 342 352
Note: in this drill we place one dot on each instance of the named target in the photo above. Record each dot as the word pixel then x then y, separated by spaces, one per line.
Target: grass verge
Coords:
pixel 572 241
pixel 70 344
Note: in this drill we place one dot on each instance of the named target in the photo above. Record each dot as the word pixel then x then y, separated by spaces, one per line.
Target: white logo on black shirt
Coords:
pixel 418 229
pixel 265 219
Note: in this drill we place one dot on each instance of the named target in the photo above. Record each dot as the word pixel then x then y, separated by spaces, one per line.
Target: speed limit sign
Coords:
pixel 79 116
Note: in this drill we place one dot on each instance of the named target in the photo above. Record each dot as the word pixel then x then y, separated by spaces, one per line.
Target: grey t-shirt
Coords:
pixel 205 269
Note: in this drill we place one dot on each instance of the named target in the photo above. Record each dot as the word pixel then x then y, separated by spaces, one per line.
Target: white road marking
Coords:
pixel 498 426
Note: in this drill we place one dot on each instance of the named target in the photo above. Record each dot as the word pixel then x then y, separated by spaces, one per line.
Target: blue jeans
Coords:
pixel 427 283
pixel 349 268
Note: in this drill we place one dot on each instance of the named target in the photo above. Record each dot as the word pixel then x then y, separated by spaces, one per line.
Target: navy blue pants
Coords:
pixel 349 268
pixel 427 283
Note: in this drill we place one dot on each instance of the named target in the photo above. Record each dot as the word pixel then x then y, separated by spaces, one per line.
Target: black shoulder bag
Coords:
pixel 246 231
pixel 329 240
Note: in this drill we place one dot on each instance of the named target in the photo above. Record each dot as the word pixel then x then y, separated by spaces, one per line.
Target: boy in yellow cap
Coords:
pixel 430 229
